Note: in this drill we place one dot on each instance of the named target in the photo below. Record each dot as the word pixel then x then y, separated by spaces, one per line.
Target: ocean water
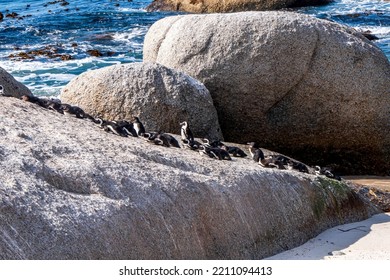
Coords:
pixel 57 36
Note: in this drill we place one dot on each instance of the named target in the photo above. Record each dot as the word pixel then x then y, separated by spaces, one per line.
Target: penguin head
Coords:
pixel 253 145
pixel 184 124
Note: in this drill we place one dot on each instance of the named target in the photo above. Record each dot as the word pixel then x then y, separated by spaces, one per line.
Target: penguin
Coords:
pixel 33 99
pixel 216 153
pixel 150 136
pixel 296 165
pixel 1 90
pixel 192 145
pixel 162 139
pixel 52 104
pixel 327 172
pixel 186 133
pixel 171 140
pixel 126 128
pixel 255 151
pixel 212 144
pixel 138 126
pixel 110 126
pixel 72 110
pixel 258 156
pixel 234 151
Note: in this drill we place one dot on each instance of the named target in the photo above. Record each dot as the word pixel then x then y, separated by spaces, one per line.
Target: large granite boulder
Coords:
pixel 69 190
pixel 159 96
pixel 307 87
pixel 12 87
pixel 217 6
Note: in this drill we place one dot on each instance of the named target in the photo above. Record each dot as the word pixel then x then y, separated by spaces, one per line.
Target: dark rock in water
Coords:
pixel 68 190
pixel 368 34
pixel 50 52
pixel 12 15
pixel 102 37
pixel 96 53
pixel 21 55
pixel 65 57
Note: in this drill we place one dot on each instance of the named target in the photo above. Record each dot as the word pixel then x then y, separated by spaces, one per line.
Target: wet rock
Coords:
pixel 96 53
pixel 12 15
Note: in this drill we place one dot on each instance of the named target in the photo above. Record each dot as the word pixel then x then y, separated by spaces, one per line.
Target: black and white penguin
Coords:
pixel 212 144
pixel 150 136
pixel 1 90
pixel 171 140
pixel 234 151
pixel 186 133
pixel 192 145
pixel 126 128
pixel 298 166
pixel 52 104
pixel 258 156
pixel 216 153
pixel 327 172
pixel 255 151
pixel 138 126
pixel 109 126
pixel 71 110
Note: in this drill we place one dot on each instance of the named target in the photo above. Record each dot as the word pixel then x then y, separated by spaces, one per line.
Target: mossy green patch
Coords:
pixel 329 194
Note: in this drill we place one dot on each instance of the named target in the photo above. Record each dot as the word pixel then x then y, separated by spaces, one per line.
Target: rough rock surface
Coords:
pixel 69 190
pixel 11 86
pixel 306 87
pixel 159 96
pixel 217 6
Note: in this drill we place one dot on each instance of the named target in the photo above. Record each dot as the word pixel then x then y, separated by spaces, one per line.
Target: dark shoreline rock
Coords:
pixel 215 6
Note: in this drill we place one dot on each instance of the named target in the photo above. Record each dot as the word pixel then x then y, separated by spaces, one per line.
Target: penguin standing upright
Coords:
pixel 186 133
pixel 138 126
pixel 1 90
pixel 255 151
pixel 258 156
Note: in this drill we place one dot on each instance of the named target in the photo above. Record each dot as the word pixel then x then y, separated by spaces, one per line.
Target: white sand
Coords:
pixel 365 240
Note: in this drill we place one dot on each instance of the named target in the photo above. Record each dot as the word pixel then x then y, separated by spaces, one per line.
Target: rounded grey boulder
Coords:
pixel 69 190
pixel 309 88
pixel 12 87
pixel 159 96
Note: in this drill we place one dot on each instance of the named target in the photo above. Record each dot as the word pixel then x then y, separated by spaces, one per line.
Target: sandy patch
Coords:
pixel 365 240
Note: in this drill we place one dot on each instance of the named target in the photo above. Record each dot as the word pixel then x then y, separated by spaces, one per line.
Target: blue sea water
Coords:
pixel 116 28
